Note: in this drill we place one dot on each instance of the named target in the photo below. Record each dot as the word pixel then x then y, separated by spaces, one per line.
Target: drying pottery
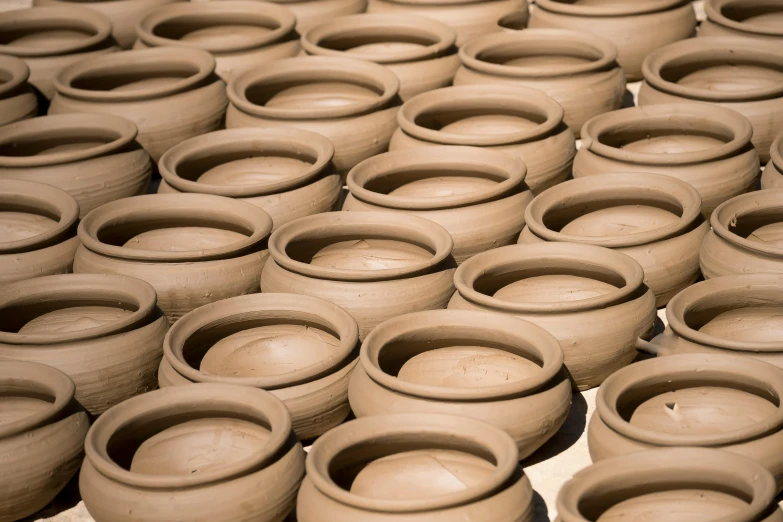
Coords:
pixel 375 265
pixel 592 299
pixel 478 195
pixel 413 467
pixel 519 121
pixel 752 19
pixel 17 99
pixel 310 13
pixel 193 249
pixel 420 51
pixel 208 452
pixel 708 147
pixel 42 430
pixel 578 70
pixel 772 177
pixel 93 157
pixel 515 21
pixel 171 94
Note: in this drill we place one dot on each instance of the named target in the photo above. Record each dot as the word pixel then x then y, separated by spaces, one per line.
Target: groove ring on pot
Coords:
pixel 716 11
pixel 731 215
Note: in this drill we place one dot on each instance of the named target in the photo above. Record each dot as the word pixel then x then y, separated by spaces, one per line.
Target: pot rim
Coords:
pixel 17 69
pixel 776 152
pixel 739 206
pixel 613 11
pixel 714 12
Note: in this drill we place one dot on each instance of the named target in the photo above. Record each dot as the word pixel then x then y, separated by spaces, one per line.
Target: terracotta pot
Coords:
pixel 375 265
pixel 194 249
pixel 519 121
pixel 709 147
pixel 515 21
pixel 592 299
pixel 396 467
pixel 772 177
pixel 17 98
pixel 207 452
pixel 578 70
pixel 300 348
pixel 310 13
pixel 288 172
pixel 41 438
pixel 240 34
pixel 171 94
pixel 752 19
pixel 93 157
pixel 478 195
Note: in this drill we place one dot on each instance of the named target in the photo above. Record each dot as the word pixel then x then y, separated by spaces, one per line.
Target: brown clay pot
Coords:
pixel 752 19
pixel 194 249
pixel 515 21
pixel 93 157
pixel 207 452
pixel 300 348
pixel 310 13
pixel 171 94
pixel 708 147
pixel 519 121
pixel 41 437
pixel 419 50
pixel 17 98
pixel 288 172
pixel 772 177
pixel 402 467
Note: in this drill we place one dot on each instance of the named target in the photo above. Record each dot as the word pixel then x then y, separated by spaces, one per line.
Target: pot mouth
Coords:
pixel 776 152
pixel 337 456
pixel 742 15
pixel 608 9
pixel 741 218
pixel 347 88
pixel 516 21
pixel 218 227
pixel 13 73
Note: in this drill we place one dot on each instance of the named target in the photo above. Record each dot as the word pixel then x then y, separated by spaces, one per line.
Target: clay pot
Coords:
pixel 515 21
pixel 592 299
pixel 208 452
pixel 420 51
pixel 310 13
pixel 41 437
pixel 403 467
pixel 752 19
pixel 171 94
pixel 193 249
pixel 375 265
pixel 772 177
pixel 708 147
pixel 578 70
pixel 300 348
pixel 17 99
pixel 93 157
pixel 519 121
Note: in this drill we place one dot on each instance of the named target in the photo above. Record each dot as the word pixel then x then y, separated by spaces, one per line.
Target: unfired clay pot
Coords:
pixel 193 249
pixel 515 21
pixel 752 19
pixel 41 437
pixel 300 348
pixel 519 121
pixel 171 94
pixel 772 177
pixel 417 468
pixel 310 13
pixel 206 452
pixel 17 99
pixel 105 331
pixel 288 172
pixel 592 299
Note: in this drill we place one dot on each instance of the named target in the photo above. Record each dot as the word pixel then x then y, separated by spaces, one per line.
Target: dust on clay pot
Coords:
pixel 17 99
pixel 772 177
pixel 752 19
pixel 204 452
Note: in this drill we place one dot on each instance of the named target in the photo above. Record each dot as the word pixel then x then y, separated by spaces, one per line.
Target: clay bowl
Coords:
pixel 42 430
pixel 375 265
pixel 171 94
pixel 515 21
pixel 519 121
pixel 288 172
pixel 592 299
pixel 300 348
pixel 578 70
pixel 772 177
pixel 17 99
pixel 751 19
pixel 194 249
pixel 208 452
pixel 708 147
pixel 419 50
pixel 310 13
pixel 395 467
pixel 240 34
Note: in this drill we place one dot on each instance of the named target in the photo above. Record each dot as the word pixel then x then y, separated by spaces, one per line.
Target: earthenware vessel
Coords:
pixel 395 467
pixel 171 94
pixel 375 265
pixel 478 195
pixel 41 437
pixel 313 12
pixel 772 177
pixel 235 444
pixel 302 349
pixel 194 249
pixel 519 121
pixel 752 19
pixel 17 98
pixel 515 21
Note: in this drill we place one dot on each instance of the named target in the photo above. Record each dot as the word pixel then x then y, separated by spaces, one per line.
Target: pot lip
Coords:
pixel 630 9
pixel 743 204
pixel 308 68
pixel 396 426
pixel 714 12
pixel 389 164
pixel 255 140
pixel 776 152
pixel 17 69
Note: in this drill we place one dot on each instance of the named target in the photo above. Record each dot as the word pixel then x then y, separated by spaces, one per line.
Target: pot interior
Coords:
pixel 210 28
pixel 378 41
pixel 130 77
pixel 19 221
pixel 742 317
pixel 762 226
pixel 762 14
pixel 45 142
pixel 666 135
pixel 359 252
pixel 323 90
pixel 435 182
pixel 46 35
pixel 17 404
pixel 56 316
pixel 515 21
pixel 543 55
pixel 480 119
pixel 733 73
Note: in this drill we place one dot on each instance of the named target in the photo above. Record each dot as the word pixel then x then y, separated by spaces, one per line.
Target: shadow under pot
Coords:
pixel 194 249
pixel 299 348
pixel 18 100
pixel 772 177
pixel 375 265
pixel 205 452
pixel 522 122
pixel 592 299
pixel 751 19
pixel 403 467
